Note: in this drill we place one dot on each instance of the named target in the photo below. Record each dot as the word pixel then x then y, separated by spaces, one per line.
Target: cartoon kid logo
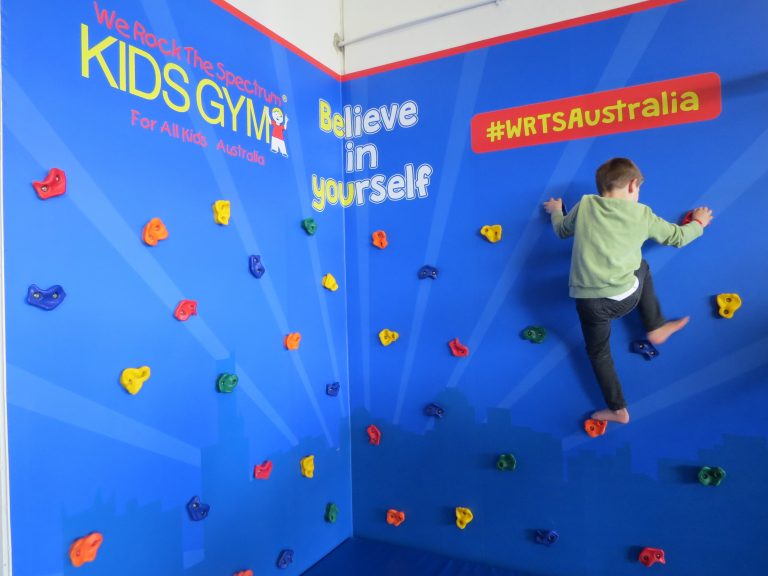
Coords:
pixel 279 125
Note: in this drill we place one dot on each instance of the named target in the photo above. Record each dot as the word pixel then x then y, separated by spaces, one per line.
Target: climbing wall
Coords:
pixel 164 415
pixel 494 422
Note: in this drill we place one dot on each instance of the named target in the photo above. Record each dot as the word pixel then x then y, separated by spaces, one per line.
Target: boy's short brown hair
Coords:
pixel 616 173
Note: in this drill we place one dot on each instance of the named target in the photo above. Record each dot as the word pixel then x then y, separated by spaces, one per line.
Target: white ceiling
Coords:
pixel 311 24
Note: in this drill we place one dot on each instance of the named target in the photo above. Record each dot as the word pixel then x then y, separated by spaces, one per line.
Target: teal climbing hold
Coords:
pixel 506 463
pixel 535 334
pixel 711 476
pixel 226 382
pixel 331 512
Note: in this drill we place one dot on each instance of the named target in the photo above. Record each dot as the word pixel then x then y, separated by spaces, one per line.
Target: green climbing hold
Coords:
pixel 309 225
pixel 226 382
pixel 506 462
pixel 711 476
pixel 535 334
pixel 331 512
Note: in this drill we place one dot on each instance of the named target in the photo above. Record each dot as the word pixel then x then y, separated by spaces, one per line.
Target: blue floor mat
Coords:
pixel 358 556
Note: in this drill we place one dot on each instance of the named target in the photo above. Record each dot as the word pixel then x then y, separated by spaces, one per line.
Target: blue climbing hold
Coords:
pixel 46 299
pixel 332 389
pixel 546 537
pixel 197 510
pixel 645 348
pixel 285 558
pixel 256 267
pixel 434 410
pixel 428 272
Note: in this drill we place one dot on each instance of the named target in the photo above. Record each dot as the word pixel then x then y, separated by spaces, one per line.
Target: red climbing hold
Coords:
pixel 650 556
pixel 263 470
pixel 185 309
pixel 380 239
pixel 374 435
pixel 595 428
pixel 687 219
pixel 457 348
pixel 55 184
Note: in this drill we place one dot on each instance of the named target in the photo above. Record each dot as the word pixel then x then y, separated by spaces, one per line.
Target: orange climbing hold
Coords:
pixel 395 517
pixel 380 239
pixel 244 573
pixel 595 428
pixel 154 230
pixel 84 549
pixel 292 341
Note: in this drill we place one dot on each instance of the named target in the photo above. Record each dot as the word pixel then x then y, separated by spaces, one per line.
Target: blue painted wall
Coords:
pixel 86 456
pixel 695 405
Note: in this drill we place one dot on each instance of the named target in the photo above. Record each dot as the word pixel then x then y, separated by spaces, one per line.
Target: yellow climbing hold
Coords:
pixel 133 379
pixel 221 212
pixel 463 517
pixel 330 283
pixel 308 466
pixel 728 304
pixel 388 336
pixel 492 232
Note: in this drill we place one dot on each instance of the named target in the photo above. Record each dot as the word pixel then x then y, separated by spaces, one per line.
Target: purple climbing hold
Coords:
pixel 255 265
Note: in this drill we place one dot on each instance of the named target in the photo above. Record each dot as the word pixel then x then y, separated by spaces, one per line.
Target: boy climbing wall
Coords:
pixel 609 277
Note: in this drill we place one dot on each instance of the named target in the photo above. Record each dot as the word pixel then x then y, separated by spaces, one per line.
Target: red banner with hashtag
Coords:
pixel 666 103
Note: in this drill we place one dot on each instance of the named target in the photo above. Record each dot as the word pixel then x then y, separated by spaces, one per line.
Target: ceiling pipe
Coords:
pixel 341 43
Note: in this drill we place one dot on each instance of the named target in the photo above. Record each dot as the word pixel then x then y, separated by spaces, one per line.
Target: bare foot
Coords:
pixel 660 335
pixel 620 416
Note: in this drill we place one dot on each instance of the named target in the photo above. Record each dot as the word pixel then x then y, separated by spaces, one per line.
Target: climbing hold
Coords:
pixel 292 341
pixel 226 382
pixel 331 512
pixel 244 573
pixel 197 510
pixel 133 379
pixel 506 462
pixel 434 410
pixel 55 184
pixel 255 266
pixel 711 476
pixel 185 309
pixel 728 304
pixel 329 282
pixel 374 435
pixel 428 272
pixel 221 212
pixel 395 517
pixel 263 470
pixel 645 348
pixel 388 336
pixel 45 298
pixel 687 219
pixel 535 334
pixel 285 558
pixel 308 466
pixel 154 230
pixel 457 348
pixel 492 233
pixel 309 225
pixel 463 517
pixel 546 537
pixel 380 239
pixel 595 428
pixel 84 549
pixel 332 389
pixel 649 556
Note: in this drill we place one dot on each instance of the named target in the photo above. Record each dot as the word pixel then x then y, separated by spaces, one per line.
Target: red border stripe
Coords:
pixel 520 35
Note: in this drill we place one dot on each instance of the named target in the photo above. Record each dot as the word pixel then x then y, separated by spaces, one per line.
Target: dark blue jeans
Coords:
pixel 596 315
